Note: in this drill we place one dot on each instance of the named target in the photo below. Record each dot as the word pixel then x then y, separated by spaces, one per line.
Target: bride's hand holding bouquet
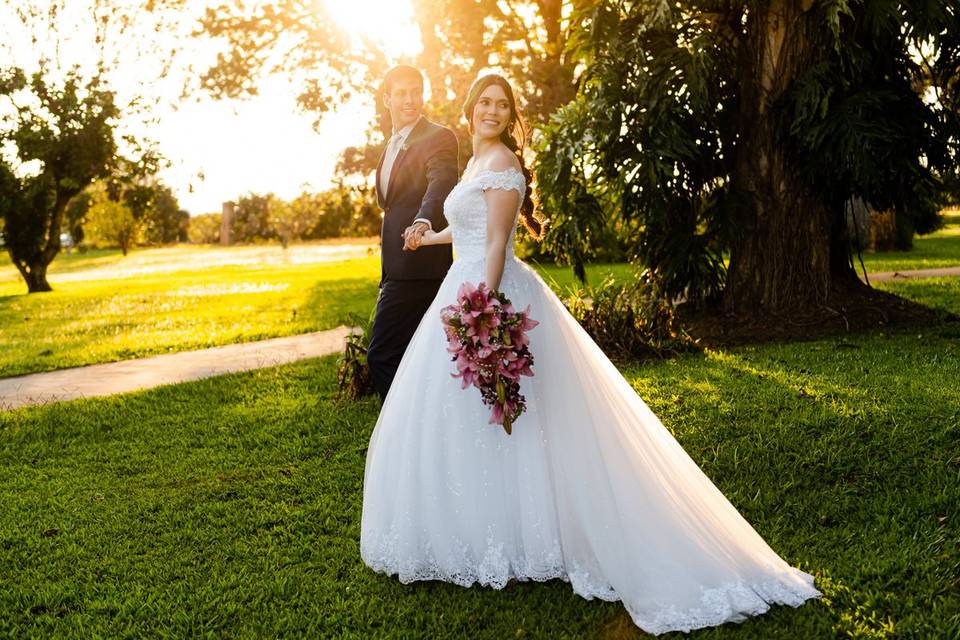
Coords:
pixel 489 344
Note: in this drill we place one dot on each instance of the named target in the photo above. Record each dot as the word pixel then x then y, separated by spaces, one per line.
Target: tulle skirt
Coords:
pixel 590 487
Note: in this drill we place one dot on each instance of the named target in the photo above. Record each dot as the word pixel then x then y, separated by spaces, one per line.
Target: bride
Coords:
pixel 589 488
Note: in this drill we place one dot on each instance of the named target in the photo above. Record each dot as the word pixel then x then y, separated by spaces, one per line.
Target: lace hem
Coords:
pixel 730 602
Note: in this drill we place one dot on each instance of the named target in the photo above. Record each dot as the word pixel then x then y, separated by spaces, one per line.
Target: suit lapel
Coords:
pixel 412 139
pixel 380 199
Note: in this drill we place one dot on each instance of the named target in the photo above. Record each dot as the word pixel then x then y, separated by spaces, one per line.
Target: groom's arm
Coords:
pixel 442 170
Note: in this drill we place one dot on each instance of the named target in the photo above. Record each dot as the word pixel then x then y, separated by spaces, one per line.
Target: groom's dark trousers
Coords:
pixel 424 172
pixel 400 307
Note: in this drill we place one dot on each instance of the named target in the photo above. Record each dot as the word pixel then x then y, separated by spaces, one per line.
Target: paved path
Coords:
pixel 913 274
pixel 131 375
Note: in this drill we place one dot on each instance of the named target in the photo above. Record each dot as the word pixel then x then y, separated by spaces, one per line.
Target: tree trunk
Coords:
pixel 34 274
pixel 843 270
pixel 904 237
pixel 427 19
pixel 783 258
pixel 553 71
pixel 32 261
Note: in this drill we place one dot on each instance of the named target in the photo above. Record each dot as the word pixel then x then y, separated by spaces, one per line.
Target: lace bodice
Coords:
pixel 466 210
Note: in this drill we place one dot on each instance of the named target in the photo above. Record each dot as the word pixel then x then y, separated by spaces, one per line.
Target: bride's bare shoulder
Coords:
pixel 502 159
pixel 497 160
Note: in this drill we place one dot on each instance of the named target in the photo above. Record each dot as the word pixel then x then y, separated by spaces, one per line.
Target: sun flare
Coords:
pixel 388 23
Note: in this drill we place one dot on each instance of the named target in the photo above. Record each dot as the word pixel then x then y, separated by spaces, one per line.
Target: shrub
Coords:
pixel 204 229
pixel 353 372
pixel 631 321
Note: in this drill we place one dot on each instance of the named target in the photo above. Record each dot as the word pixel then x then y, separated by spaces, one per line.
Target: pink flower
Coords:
pixel 488 343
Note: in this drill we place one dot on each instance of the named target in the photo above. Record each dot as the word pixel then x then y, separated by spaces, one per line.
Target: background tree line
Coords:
pixel 124 217
pixel 104 215
pixel 339 212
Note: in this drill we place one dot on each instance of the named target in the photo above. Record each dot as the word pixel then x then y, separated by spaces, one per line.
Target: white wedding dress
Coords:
pixel 590 488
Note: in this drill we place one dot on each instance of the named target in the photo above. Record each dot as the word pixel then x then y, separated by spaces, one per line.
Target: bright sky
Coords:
pixel 262 144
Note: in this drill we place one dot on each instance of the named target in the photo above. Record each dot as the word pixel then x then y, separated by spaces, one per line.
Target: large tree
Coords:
pixel 61 114
pixel 743 128
pixel 64 140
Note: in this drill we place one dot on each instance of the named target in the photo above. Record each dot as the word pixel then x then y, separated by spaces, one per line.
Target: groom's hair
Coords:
pixel 401 72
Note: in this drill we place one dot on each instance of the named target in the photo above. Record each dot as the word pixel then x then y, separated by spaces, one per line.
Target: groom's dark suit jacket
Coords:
pixel 424 172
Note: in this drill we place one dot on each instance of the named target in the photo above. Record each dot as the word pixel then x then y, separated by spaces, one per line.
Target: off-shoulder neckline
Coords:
pixel 493 172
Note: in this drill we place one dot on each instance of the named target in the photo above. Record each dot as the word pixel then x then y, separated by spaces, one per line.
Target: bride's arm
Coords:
pixel 436 237
pixel 501 211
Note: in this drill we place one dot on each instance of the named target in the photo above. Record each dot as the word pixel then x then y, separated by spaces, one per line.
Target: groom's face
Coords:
pixel 404 102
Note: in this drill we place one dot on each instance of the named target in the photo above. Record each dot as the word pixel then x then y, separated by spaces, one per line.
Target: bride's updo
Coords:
pixel 512 137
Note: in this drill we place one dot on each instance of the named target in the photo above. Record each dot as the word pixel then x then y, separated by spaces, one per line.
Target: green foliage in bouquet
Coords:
pixel 353 372
pixel 632 320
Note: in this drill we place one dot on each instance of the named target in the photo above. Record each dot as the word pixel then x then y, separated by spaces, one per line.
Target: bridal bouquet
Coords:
pixel 489 343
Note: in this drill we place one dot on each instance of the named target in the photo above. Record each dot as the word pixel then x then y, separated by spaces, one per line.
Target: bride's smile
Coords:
pixel 491 114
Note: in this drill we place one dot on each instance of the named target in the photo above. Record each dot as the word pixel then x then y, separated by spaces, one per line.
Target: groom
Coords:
pixel 417 170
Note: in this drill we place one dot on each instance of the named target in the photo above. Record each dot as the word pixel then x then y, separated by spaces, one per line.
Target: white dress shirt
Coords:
pixel 397 140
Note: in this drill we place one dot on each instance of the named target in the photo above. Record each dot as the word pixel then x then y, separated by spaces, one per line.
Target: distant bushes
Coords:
pixel 150 215
pixel 204 229
pixel 339 212
pixel 106 215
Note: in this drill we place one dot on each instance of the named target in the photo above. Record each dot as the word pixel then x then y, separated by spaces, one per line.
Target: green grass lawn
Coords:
pixel 940 249
pixel 106 307
pixel 106 320
pixel 178 257
pixel 941 293
pixel 230 507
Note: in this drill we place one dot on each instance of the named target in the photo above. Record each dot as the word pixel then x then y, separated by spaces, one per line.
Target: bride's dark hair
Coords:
pixel 512 137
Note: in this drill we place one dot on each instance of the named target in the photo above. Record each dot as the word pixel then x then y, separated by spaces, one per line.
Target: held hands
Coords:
pixel 416 234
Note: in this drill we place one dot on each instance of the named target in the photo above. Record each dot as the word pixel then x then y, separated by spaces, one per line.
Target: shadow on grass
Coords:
pixel 937 293
pixel 342 301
